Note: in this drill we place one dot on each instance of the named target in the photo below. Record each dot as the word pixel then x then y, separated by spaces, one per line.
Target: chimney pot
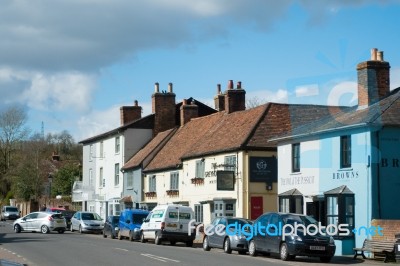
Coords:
pixel 379 56
pixel 184 102
pixel 230 84
pixel 218 89
pixel 136 103
pixel 170 87
pixel 239 85
pixel 373 54
pixel 156 87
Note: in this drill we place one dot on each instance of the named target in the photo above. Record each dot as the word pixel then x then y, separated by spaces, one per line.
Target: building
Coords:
pixel 102 186
pixel 344 169
pixel 220 164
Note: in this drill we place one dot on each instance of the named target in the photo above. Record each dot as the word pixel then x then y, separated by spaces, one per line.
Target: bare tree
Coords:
pixel 12 132
pixel 254 102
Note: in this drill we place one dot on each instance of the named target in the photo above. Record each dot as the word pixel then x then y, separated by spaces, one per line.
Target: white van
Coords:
pixel 9 213
pixel 170 223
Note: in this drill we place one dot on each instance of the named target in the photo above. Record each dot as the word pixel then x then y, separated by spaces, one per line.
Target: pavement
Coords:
pixel 9 258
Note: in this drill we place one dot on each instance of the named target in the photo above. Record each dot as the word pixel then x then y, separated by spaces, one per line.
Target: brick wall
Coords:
pixel 389 229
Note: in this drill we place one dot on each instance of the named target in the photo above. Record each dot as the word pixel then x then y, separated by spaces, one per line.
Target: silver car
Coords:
pixel 44 222
pixel 87 222
pixel 218 238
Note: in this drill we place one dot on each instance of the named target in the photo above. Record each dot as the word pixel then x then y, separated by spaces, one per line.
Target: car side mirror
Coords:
pixel 145 220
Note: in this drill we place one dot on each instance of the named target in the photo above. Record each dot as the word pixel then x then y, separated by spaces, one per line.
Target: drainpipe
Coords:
pixel 378 179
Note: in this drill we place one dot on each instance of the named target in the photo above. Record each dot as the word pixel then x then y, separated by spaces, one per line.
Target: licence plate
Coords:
pixel 59 222
pixel 317 248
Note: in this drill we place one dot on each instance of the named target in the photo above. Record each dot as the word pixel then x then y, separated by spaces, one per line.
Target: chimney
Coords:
pixel 188 111
pixel 373 79
pixel 235 99
pixel 130 113
pixel 164 110
pixel 219 99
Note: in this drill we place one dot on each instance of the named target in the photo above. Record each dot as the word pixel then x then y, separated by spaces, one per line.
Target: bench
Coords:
pixel 380 248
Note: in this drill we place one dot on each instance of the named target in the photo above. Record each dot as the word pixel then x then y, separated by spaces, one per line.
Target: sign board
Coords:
pixel 263 169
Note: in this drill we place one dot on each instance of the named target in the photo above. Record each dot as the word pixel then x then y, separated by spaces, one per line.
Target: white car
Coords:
pixel 44 222
pixel 87 222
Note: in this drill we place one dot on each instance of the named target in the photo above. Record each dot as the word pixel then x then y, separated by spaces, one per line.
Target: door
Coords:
pixel 261 238
pixel 256 204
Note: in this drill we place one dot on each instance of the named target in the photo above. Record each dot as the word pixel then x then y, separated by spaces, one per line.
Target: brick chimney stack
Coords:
pixel 235 99
pixel 130 113
pixel 188 111
pixel 373 79
pixel 164 110
pixel 219 99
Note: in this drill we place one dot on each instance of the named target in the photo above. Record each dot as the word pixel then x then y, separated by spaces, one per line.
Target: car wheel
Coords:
pixel 157 240
pixel 72 229
pixel 325 259
pixel 252 248
pixel 227 246
pixel 189 243
pixel 206 245
pixel 80 229
pixel 17 228
pixel 104 234
pixel 44 229
pixel 61 231
pixel 130 236
pixel 112 235
pixel 284 252
pixel 142 239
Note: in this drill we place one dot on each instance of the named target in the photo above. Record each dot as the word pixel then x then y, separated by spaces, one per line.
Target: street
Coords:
pixel 89 249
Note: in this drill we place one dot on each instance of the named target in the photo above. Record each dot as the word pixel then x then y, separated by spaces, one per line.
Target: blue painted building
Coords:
pixel 344 169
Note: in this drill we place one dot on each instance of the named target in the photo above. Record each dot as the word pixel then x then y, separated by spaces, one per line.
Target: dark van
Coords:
pixel 130 221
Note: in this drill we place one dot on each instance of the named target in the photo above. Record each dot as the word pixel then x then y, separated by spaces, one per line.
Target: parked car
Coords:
pixel 235 240
pixel 9 213
pixel 41 222
pixel 288 247
pixel 111 226
pixel 170 223
pixel 83 221
pixel 129 223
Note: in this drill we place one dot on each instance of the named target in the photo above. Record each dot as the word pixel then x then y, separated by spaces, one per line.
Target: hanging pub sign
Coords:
pixel 263 169
pixel 225 180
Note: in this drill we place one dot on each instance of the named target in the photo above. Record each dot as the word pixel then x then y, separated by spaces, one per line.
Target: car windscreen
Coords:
pixel 238 221
pixel 90 216
pixel 11 209
pixel 68 214
pixel 115 219
pixel 138 218
pixel 57 216
pixel 299 219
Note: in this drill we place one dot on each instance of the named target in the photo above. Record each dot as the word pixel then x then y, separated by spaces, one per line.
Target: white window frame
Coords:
pixel 116 174
pixel 101 177
pixel 200 168
pixel 174 180
pixel 198 213
pixel 129 179
pixel 91 177
pixel 230 163
pixel 152 183
pixel 101 155
pixel 117 144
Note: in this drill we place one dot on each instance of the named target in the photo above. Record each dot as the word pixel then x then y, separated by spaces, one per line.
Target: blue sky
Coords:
pixel 73 63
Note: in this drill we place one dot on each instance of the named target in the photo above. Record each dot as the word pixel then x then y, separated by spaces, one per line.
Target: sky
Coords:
pixel 71 64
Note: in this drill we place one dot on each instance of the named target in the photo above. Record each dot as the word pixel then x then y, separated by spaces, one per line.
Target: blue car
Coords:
pixel 130 221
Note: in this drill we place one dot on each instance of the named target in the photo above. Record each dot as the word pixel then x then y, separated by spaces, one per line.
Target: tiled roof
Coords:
pixel 386 112
pixel 144 156
pixel 223 132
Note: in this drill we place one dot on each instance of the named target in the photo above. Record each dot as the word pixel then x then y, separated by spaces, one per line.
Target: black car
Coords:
pixel 68 215
pixel 274 236
pixel 111 226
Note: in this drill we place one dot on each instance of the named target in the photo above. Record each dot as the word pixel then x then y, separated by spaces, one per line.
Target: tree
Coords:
pixel 254 102
pixel 12 132
pixel 64 179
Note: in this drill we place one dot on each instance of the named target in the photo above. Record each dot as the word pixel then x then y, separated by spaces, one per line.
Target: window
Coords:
pixel 340 209
pixel 230 163
pixel 117 144
pixel 90 152
pixel 200 168
pixel 102 182
pixel 116 176
pixel 174 181
pixel 296 157
pixel 101 150
pixel 198 213
pixel 91 177
pixel 129 179
pixel 345 151
pixel 291 204
pixel 152 183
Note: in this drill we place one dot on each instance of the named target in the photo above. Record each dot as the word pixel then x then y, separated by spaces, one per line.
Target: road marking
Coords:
pixel 163 259
pixel 122 249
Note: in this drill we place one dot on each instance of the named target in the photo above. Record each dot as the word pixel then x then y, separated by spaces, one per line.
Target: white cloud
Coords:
pixel 308 90
pixel 394 78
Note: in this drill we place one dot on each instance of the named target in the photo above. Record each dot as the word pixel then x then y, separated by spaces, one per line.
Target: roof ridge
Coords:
pixel 389 105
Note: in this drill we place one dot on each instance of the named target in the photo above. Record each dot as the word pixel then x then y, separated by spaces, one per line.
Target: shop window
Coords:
pixel 345 151
pixel 296 157
pixel 291 204
pixel 340 207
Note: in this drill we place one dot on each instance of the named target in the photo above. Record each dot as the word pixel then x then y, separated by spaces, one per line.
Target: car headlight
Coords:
pixel 296 238
pixel 86 224
pixel 331 241
pixel 136 229
pixel 116 228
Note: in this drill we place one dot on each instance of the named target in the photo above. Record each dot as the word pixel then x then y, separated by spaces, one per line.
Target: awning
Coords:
pixel 292 192
pixel 339 190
